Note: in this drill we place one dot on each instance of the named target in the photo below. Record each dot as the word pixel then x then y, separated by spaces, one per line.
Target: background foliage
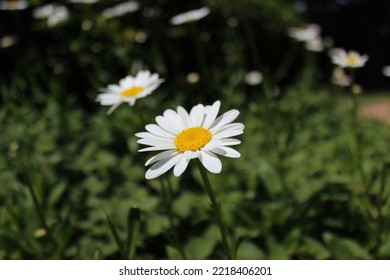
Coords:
pixel 304 188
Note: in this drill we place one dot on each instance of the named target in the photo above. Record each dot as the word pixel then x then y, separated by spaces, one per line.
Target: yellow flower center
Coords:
pixel 192 139
pixel 133 91
pixel 353 59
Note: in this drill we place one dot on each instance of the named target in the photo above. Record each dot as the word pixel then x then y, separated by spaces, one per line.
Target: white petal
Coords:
pixel 113 108
pixel 154 148
pixel 227 133
pixel 175 118
pixel 191 155
pixel 157 142
pixel 226 118
pixel 181 166
pixel 168 125
pixel 230 141
pixel 197 115
pixel 156 130
pixel 210 161
pixel 212 144
pixel 184 116
pixel 212 112
pixel 160 156
pixel 227 152
pixel 108 99
pixel 162 166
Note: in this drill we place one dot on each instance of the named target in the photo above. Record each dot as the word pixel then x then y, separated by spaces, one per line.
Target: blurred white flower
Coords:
pixel 340 78
pixel 351 59
pixel 307 33
pixel 53 13
pixel 83 1
pixel 13 5
pixel 121 9
pixel 253 78
pixel 129 90
pixel 190 16
pixel 193 78
pixel 315 45
pixel 182 136
pixel 7 41
pixel 386 71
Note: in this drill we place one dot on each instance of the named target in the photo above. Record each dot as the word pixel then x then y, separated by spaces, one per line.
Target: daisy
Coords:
pixel 253 78
pixel 183 136
pixel 121 9
pixel 190 16
pixel 340 78
pixel 129 90
pixel 351 59
pixel 315 45
pixel 54 14
pixel 386 71
pixel 304 34
pixel 13 5
pixel 8 41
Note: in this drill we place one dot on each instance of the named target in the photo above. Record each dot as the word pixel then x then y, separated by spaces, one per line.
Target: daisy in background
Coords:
pixel 129 90
pixel 8 41
pixel 253 78
pixel 190 16
pixel 13 5
pixel 304 34
pixel 315 45
pixel 351 59
pixel 121 9
pixel 340 78
pixel 386 71
pixel 54 14
pixel 182 136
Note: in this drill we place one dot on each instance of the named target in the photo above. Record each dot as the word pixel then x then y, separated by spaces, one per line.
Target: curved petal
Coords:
pixel 211 162
pixel 181 166
pixel 211 114
pixel 197 115
pixel 227 152
pixel 184 116
pixel 226 118
pixel 158 131
pixel 160 156
pixel 168 125
pixel 162 166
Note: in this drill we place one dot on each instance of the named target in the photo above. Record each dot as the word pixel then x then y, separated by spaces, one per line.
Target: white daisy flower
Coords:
pixel 386 71
pixel 8 41
pixel 315 45
pixel 352 59
pixel 340 78
pixel 253 78
pixel 183 136
pixel 53 13
pixel 190 16
pixel 13 5
pixel 303 34
pixel 121 9
pixel 129 90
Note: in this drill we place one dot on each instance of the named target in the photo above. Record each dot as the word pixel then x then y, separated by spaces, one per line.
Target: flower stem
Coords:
pixel 38 206
pixel 141 116
pixel 167 200
pixel 216 209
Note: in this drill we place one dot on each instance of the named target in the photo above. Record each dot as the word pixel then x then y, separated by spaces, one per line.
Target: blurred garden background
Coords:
pixel 312 181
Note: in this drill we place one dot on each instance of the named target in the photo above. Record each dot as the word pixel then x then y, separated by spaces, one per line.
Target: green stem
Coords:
pixel 216 209
pixel 38 207
pixel 167 200
pixel 139 110
pixel 250 38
